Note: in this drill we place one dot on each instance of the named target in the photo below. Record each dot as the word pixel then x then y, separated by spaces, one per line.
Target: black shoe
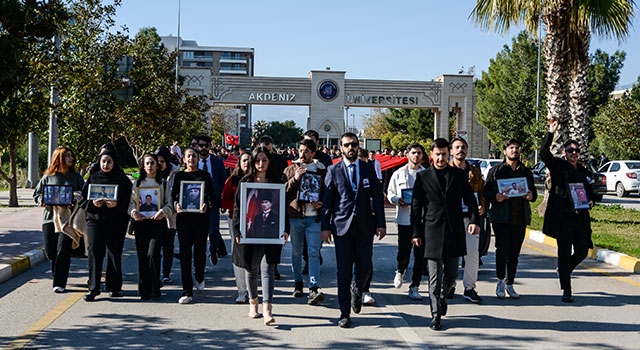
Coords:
pixel 91 296
pixel 297 290
pixel 277 274
pixel 435 323
pixel 566 296
pixel 315 297
pixel 443 306
pixel 214 259
pixel 116 294
pixel 344 322
pixel 356 302
pixel 452 293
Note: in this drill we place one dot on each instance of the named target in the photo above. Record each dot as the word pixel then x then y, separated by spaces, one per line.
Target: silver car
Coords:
pixel 621 176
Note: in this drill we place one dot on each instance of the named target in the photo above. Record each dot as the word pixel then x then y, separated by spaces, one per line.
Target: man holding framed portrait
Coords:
pixel 509 189
pixel 304 179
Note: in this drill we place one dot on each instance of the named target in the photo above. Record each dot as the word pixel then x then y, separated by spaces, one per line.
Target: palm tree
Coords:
pixel 568 25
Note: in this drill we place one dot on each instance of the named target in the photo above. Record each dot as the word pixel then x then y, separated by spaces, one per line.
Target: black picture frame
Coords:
pixel 57 195
pixel 579 196
pixel 310 188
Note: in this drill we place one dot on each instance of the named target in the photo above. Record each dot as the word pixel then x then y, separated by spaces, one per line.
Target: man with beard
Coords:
pixel 509 215
pixel 351 188
pixel 436 215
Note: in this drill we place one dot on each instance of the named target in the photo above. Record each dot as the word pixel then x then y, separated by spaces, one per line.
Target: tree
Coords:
pixel 259 129
pixel 415 124
pixel 285 133
pixel 374 126
pixel 506 103
pixel 222 118
pixel 26 30
pixel 568 25
pixel 617 126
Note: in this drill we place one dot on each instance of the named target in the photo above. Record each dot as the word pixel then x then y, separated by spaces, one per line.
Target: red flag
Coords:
pixel 230 139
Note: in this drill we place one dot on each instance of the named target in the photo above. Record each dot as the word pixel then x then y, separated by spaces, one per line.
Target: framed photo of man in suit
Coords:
pixel 310 186
pixel 148 201
pixel 191 196
pixel 262 210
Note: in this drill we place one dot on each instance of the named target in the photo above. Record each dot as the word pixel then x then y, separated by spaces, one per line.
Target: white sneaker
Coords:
pixel 367 299
pixel 397 280
pixel 414 294
pixel 200 286
pixel 512 292
pixel 500 289
pixel 185 299
pixel 58 290
pixel 242 298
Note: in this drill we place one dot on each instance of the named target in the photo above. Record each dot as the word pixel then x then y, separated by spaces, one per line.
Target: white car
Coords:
pixel 486 164
pixel 621 176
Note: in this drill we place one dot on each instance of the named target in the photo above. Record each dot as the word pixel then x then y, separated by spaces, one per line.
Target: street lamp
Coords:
pixel 177 49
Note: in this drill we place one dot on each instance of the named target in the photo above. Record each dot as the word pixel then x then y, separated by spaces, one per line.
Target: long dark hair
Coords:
pixel 238 172
pixel 163 152
pixel 143 173
pixel 251 174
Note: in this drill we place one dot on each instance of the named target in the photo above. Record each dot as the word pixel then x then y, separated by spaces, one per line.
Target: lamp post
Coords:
pixel 178 49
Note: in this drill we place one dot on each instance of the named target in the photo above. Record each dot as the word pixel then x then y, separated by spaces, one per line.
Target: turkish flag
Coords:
pixel 230 139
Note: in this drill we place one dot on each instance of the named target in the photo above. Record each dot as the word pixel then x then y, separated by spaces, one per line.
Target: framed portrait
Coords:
pixel 98 191
pixel 148 201
pixel 310 187
pixel 579 196
pixel 513 187
pixel 191 196
pixel 262 209
pixel 57 195
pixel 407 195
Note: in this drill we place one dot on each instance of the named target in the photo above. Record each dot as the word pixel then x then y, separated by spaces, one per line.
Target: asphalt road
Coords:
pixel 605 314
pixel 630 202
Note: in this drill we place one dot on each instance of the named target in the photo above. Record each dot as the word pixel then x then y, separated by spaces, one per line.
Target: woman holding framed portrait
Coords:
pixel 107 221
pixel 168 171
pixel 192 196
pixel 57 245
pixel 149 206
pixel 258 257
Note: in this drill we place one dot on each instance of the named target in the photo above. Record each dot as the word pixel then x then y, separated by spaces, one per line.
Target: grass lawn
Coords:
pixel 614 227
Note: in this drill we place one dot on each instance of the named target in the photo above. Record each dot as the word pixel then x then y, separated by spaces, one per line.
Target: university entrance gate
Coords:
pixel 327 93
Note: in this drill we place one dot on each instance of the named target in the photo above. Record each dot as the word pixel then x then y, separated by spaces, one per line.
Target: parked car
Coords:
pixel 539 173
pixel 621 176
pixel 597 180
pixel 486 164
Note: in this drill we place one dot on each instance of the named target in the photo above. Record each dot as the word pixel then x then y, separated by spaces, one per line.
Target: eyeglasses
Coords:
pixel 572 150
pixel 352 144
pixel 204 145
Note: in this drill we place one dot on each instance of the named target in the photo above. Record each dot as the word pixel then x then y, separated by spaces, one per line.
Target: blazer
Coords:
pixel 340 202
pixel 438 214
pixel 219 177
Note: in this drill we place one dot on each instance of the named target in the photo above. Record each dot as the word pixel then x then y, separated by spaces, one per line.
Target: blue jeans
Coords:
pixel 309 228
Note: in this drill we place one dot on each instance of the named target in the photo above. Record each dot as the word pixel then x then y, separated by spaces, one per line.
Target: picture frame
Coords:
pixel 190 201
pixel 102 191
pixel 407 195
pixel 148 201
pixel 310 188
pixel 256 227
pixel 579 196
pixel 57 195
pixel 513 187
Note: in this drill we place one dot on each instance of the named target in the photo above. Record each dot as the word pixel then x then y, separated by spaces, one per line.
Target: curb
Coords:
pixel 606 256
pixel 21 264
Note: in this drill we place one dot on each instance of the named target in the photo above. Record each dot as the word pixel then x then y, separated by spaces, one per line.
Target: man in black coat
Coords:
pixel 436 213
pixel 571 227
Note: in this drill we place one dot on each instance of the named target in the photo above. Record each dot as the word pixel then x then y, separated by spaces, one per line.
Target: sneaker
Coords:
pixel 315 296
pixel 167 279
pixel 414 294
pixel 200 286
pixel 512 292
pixel 397 280
pixel 500 289
pixel 472 296
pixel 242 298
pixel 367 299
pixel 58 290
pixel 185 299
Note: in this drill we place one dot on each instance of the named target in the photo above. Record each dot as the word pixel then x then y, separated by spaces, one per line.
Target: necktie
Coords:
pixel 264 217
pixel 352 173
pixel 204 165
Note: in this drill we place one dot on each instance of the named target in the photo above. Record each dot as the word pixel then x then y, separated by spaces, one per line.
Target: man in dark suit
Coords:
pixel 436 213
pixel 351 188
pixel 265 224
pixel 214 166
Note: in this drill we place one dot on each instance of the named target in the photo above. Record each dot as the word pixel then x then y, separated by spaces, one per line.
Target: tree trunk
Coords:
pixel 555 20
pixel 579 94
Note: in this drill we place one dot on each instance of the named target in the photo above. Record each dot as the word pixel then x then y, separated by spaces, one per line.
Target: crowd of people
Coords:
pixel 440 199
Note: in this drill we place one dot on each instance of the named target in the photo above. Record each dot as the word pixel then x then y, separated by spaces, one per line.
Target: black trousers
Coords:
pixel 192 238
pixel 575 234
pixel 442 277
pixel 57 247
pixel 405 244
pixel 149 237
pixel 167 251
pixel 352 249
pixel 109 236
pixel 509 240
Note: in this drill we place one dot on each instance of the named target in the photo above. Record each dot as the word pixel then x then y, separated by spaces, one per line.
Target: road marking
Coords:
pixel 401 325
pixel 594 269
pixel 44 322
